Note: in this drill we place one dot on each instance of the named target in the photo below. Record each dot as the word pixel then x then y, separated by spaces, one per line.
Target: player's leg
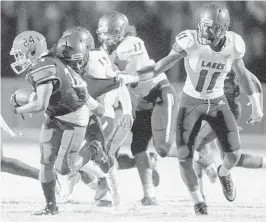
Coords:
pixel 188 126
pixel 203 153
pixel 95 132
pixel 50 140
pixel 142 135
pixel 94 146
pixel 246 160
pixel 223 122
pixel 163 119
pixel 17 167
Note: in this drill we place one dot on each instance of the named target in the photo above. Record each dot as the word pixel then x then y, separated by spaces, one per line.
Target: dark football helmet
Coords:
pixel 83 34
pixel 213 23
pixel 114 26
pixel 73 50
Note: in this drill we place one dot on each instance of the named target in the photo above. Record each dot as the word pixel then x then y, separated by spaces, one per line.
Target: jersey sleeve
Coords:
pixel 240 47
pixel 96 69
pixel 108 101
pixel 124 98
pixel 43 72
pixel 183 40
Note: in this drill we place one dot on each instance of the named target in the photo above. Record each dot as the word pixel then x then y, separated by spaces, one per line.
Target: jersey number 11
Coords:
pixel 202 78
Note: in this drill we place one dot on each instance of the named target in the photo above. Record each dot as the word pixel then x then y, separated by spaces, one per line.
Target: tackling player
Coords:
pixel 210 52
pixel 62 94
pixel 129 54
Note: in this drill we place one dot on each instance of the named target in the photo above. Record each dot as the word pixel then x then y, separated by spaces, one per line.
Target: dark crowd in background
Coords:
pixel 157 24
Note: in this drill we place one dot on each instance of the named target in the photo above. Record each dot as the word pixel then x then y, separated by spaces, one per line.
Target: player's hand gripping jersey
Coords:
pixel 69 90
pixel 131 55
pixel 100 66
pixel 207 69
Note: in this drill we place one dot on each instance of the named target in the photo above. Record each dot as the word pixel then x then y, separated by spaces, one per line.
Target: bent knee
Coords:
pixel 184 153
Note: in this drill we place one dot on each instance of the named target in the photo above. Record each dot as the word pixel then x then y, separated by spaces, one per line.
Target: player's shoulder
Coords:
pixel 43 63
pixel 130 45
pixel 43 70
pixel 237 42
pixel 186 39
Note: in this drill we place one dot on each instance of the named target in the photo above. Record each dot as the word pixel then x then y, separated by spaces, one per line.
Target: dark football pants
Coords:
pixel 216 112
pixel 158 123
pixel 60 142
pixel 206 133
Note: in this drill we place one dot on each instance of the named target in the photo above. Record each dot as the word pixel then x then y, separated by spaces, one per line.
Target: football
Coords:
pixel 24 96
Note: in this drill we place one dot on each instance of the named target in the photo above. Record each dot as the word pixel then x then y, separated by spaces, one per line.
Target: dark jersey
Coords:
pixel 231 86
pixel 69 89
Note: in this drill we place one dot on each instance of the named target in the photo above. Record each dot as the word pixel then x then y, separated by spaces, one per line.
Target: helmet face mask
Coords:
pixel 213 24
pixel 27 48
pixel 21 63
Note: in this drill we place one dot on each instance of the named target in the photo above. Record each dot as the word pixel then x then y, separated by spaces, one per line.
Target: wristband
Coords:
pixel 92 103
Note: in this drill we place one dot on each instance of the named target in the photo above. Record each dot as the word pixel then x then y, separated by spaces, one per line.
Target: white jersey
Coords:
pixel 131 55
pixel 100 66
pixel 207 69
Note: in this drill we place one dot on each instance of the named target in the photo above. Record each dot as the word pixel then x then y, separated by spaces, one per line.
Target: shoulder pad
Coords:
pixel 185 40
pixel 43 71
pixel 130 46
pixel 239 46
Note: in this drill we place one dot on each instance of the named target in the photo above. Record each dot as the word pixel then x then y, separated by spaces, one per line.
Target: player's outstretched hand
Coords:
pixel 256 115
pixel 126 121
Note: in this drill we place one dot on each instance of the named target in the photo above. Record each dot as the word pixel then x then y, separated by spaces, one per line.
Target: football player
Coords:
pixel 210 52
pixel 63 95
pixel 100 67
pixel 206 135
pixel 129 54
pixel 15 166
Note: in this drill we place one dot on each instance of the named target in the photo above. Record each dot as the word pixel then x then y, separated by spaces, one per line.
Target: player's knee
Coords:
pixel 163 147
pixel 183 153
pixel 233 157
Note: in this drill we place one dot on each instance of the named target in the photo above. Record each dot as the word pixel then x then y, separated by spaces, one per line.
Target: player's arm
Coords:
pixel 124 97
pixel 95 107
pixel 257 87
pixel 183 43
pixel 244 79
pixel 43 92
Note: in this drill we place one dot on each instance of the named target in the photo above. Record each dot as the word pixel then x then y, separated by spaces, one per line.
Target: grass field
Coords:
pixel 21 197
